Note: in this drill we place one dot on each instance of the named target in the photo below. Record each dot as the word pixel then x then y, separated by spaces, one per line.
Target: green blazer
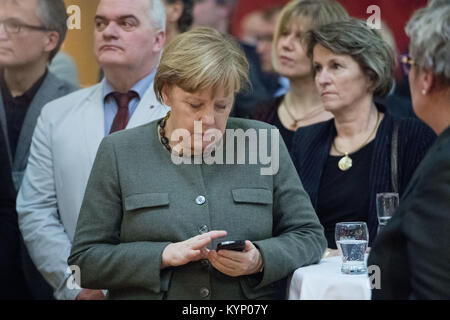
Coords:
pixel 138 201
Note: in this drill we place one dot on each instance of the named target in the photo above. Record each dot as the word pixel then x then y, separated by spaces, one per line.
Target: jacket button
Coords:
pixel 200 200
pixel 205 263
pixel 204 292
pixel 203 229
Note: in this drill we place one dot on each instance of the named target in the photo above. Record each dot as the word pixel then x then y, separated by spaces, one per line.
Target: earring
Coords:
pixel 424 92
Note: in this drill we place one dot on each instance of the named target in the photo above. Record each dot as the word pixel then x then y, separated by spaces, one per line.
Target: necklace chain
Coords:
pixel 365 141
pixel 288 104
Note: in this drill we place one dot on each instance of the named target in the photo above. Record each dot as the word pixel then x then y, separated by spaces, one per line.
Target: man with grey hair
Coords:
pixel 128 39
pixel 31 33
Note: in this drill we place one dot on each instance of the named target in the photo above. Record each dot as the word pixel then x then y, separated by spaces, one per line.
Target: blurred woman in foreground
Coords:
pixel 413 250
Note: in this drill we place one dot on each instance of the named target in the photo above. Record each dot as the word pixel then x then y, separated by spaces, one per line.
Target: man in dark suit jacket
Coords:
pixel 31 33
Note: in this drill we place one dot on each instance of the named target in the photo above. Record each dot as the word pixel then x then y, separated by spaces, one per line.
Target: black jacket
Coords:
pixel 12 281
pixel 413 251
pixel 311 146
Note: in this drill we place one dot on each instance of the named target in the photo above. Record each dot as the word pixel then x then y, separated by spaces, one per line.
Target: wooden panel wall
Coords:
pixel 79 43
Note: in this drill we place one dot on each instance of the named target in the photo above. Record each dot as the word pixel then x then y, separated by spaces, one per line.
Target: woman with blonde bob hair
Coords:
pixel 151 219
pixel 413 251
pixel 301 106
pixel 364 150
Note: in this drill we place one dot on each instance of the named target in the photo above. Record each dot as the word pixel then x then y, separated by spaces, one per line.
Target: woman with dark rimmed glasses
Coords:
pixel 413 250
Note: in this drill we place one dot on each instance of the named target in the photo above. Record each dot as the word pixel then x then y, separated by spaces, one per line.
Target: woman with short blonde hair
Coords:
pixel 150 224
pixel 202 59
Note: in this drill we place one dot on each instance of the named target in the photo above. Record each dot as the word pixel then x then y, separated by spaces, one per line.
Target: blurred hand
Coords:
pixel 235 263
pixel 193 249
pixel 88 294
pixel 331 253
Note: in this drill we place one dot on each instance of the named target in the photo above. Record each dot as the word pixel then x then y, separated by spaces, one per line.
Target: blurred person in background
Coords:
pixel 31 33
pixel 264 36
pixel 301 106
pixel 397 104
pixel 413 249
pixel 179 17
pixel 214 13
pixel 65 68
pixel 128 39
pixel 275 84
pixel 265 82
pixel 364 150
pixel 12 278
pixel 250 25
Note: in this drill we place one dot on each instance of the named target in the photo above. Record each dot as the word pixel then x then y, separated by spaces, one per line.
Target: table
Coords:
pixel 324 281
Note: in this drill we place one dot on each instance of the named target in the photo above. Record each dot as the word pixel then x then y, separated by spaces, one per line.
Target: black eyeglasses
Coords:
pixel 13 27
pixel 407 62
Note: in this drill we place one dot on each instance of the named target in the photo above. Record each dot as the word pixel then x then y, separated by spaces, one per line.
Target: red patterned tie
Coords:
pixel 121 119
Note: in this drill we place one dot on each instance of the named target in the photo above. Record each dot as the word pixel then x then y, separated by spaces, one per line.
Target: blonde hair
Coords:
pixel 314 12
pixel 199 59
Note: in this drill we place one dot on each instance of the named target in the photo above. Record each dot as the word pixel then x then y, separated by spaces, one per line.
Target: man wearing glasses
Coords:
pixel 128 39
pixel 31 33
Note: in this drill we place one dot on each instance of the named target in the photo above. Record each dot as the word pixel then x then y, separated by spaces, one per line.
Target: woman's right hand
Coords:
pixel 193 249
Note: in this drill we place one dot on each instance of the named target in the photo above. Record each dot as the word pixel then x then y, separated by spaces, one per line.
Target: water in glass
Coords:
pixel 387 203
pixel 352 239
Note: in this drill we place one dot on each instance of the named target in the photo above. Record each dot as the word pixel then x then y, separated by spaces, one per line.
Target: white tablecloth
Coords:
pixel 324 281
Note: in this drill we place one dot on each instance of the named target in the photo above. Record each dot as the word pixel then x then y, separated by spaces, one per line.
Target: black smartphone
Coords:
pixel 237 245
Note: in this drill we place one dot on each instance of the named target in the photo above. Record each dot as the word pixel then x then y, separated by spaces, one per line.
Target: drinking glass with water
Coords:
pixel 387 203
pixel 352 239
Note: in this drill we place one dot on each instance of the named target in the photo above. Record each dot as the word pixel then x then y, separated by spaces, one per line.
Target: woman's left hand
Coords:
pixel 235 263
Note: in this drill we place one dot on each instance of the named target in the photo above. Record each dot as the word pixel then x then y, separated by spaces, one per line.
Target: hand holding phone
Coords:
pixel 238 258
pixel 235 245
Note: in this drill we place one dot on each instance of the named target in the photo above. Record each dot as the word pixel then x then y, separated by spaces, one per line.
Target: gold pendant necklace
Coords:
pixel 345 163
